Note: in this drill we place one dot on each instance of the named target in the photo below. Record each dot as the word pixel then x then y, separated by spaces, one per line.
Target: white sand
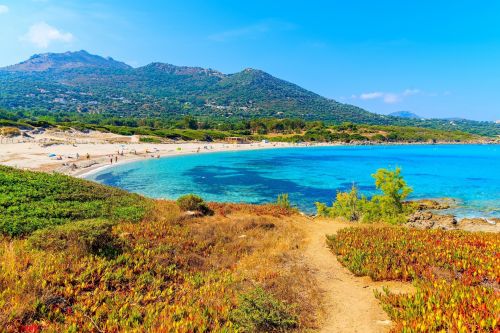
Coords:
pixel 34 153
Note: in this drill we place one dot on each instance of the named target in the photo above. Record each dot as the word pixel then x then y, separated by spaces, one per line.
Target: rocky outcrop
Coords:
pixel 479 224
pixel 429 220
pixel 431 204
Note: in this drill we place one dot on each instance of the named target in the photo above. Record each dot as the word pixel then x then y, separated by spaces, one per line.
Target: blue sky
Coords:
pixel 434 58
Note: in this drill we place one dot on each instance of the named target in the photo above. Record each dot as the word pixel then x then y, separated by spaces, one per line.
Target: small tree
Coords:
pixel 387 206
pixel 393 187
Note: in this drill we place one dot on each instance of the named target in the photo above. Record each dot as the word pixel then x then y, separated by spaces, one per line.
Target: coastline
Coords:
pixel 98 168
pixel 69 154
pixel 35 155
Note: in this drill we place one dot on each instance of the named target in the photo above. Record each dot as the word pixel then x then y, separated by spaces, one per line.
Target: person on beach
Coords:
pixel 116 159
pixel 88 156
pixel 111 160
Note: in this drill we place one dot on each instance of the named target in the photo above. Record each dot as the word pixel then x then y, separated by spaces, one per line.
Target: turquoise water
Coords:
pixel 468 173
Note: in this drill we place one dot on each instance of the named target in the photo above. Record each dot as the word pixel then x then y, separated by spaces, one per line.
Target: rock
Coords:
pixel 444 222
pixel 427 204
pixel 495 220
pixel 474 221
pixel 479 224
pixel 428 220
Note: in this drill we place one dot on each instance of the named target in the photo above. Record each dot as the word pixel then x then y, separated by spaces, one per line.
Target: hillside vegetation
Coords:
pixel 85 83
pixel 109 261
pixel 33 200
pixel 211 129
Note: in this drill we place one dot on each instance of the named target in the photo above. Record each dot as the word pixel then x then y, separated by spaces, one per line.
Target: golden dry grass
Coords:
pixel 176 273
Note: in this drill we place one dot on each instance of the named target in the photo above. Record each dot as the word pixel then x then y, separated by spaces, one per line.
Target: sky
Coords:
pixel 433 58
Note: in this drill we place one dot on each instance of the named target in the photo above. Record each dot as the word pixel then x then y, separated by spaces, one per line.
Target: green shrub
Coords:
pixel 192 202
pixel 283 201
pixel 259 311
pixel 387 207
pixel 83 237
pixel 149 139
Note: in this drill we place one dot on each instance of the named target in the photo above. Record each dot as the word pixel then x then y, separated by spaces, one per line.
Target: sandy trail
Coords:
pixel 349 302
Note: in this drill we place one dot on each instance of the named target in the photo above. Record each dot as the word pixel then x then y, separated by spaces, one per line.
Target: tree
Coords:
pixel 393 187
pixel 190 122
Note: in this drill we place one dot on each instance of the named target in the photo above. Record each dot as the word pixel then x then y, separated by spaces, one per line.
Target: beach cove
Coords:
pixel 465 173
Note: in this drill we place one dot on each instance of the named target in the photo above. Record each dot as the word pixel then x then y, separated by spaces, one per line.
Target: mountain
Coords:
pixel 405 114
pixel 64 61
pixel 79 81
pixel 86 83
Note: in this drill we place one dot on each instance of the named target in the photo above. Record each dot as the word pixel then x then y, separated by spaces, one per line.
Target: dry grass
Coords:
pixel 214 258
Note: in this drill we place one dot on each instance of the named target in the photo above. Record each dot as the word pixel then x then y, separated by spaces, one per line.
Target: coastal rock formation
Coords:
pixel 428 204
pixel 428 220
pixel 479 224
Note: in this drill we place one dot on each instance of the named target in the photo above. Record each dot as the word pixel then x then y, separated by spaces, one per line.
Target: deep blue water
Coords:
pixel 469 173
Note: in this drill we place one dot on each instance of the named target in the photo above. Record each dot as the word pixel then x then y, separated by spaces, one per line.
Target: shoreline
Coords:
pixel 273 145
pixel 34 156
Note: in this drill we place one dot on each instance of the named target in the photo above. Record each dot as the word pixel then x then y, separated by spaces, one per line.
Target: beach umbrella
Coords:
pixel 52 155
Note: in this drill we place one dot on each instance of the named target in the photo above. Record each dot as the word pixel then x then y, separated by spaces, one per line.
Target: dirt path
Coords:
pixel 349 303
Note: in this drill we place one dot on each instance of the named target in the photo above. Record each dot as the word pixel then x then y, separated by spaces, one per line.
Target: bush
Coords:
pixel 387 207
pixel 283 201
pixel 192 202
pixel 259 311
pixel 83 237
pixel 149 139
pixel 347 205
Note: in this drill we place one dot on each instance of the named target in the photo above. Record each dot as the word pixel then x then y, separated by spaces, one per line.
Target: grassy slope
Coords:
pixel 35 200
pixel 170 272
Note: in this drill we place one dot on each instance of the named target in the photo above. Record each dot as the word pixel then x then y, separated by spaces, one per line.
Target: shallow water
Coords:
pixel 468 173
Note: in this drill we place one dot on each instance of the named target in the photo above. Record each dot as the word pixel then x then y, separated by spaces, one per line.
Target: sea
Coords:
pixel 469 174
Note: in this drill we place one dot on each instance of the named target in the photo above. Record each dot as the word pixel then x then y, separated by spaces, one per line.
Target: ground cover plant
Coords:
pixel 34 200
pixel 456 273
pixel 167 271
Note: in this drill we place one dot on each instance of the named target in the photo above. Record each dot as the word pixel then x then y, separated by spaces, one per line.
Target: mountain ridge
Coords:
pixel 64 61
pixel 86 83
pixel 161 88
pixel 405 114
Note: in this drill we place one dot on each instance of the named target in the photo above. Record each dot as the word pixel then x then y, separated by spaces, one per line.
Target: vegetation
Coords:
pixel 167 273
pixel 284 202
pixel 101 86
pixel 387 207
pixel 258 311
pixel 33 200
pixel 192 202
pixel 81 237
pixel 157 129
pixel 456 274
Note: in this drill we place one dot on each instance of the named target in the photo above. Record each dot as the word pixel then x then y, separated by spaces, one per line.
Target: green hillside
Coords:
pixel 34 200
pixel 80 82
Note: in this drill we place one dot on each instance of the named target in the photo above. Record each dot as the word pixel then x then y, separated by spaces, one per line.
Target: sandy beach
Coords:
pixel 79 154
